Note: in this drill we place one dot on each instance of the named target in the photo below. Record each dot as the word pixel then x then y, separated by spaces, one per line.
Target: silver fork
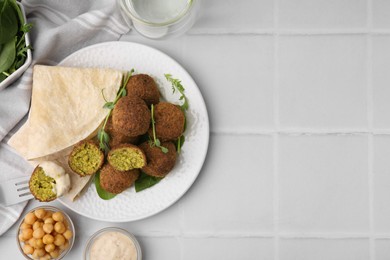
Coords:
pixel 14 191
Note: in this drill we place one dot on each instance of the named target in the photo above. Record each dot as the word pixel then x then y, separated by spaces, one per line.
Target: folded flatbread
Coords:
pixel 66 107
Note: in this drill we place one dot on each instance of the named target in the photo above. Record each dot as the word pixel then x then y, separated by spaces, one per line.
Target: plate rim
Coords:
pixel 207 130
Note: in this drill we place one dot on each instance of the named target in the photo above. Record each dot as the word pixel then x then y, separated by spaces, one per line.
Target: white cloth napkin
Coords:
pixel 60 27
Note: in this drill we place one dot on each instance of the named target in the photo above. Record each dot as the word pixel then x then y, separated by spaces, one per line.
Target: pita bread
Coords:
pixel 66 107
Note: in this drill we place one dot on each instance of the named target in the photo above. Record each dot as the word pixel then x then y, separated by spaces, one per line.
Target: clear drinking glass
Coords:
pixel 159 19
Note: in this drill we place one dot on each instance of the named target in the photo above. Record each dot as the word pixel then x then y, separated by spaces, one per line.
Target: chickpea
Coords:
pixel 27 234
pixel 40 252
pixel 59 227
pixel 58 216
pixel 30 218
pixel 40 213
pixel 64 246
pixel 37 224
pixel 31 242
pixel 39 243
pixel 45 257
pixel 38 233
pixel 50 248
pixel 59 240
pixel 68 234
pixel 48 239
pixel 55 253
pixel 21 237
pixel 25 226
pixel 49 220
pixel 48 228
pixel 27 249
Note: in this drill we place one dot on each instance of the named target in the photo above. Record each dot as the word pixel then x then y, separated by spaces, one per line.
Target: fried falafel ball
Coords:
pixel 116 137
pixel 159 163
pixel 115 181
pixel 125 157
pixel 42 185
pixel 131 116
pixel 169 121
pixel 144 87
pixel 86 158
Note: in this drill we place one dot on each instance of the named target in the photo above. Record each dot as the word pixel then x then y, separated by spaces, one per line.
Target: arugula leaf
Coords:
pixel 103 194
pixel 145 181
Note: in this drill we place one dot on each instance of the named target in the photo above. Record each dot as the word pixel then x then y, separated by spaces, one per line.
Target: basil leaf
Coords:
pixel 8 22
pixel 103 194
pixel 145 181
pixel 7 55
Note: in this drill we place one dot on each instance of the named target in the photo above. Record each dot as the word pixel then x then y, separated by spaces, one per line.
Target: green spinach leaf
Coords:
pixel 100 191
pixel 145 181
pixel 8 22
pixel 7 55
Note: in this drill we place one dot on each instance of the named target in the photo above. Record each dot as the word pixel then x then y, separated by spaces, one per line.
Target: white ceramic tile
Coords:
pixel 222 15
pixel 233 194
pixel 323 184
pixel 380 13
pixel 323 81
pixel 380 80
pixel 227 248
pixel 324 249
pixel 382 249
pixel 235 75
pixel 381 171
pixel 160 247
pixel 322 14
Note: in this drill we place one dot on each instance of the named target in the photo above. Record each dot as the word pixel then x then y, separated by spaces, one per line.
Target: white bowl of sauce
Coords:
pixel 112 243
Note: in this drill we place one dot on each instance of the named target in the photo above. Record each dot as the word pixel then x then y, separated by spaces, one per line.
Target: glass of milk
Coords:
pixel 159 19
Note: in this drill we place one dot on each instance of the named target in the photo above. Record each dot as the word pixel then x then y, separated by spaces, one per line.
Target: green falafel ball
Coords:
pixel 42 186
pixel 125 157
pixel 86 158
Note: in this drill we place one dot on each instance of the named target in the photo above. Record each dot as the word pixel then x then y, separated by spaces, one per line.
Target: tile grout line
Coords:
pixel 276 135
pixel 370 115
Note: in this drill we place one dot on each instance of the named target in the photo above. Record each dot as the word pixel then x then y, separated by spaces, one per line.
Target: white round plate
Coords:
pixel 129 205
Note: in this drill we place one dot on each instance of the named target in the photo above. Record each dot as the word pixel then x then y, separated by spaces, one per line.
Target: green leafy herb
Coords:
pixel 100 191
pixel 13 48
pixel 145 181
pixel 155 142
pixel 103 136
pixel 176 85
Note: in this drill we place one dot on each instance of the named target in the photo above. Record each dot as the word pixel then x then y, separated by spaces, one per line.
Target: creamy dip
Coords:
pixel 111 246
pixel 56 172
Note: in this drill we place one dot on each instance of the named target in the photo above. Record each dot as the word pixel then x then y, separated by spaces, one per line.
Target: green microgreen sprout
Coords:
pixel 155 142
pixel 102 135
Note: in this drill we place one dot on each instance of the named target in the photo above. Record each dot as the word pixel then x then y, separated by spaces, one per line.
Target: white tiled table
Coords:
pixel 298 94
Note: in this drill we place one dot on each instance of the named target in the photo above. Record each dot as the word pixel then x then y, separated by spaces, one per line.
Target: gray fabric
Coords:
pixel 59 29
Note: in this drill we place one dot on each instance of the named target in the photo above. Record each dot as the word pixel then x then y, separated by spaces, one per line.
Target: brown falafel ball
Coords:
pixel 144 87
pixel 159 163
pixel 116 137
pixel 169 121
pixel 125 157
pixel 115 181
pixel 131 116
pixel 86 158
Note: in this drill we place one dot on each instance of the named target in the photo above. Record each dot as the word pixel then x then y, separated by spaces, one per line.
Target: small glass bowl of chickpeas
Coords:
pixel 45 233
